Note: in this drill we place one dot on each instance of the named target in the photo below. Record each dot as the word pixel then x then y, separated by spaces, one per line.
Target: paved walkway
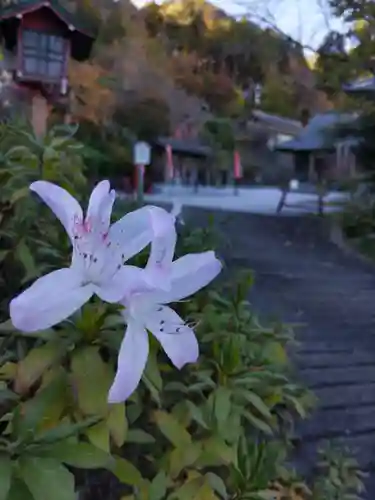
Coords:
pixel 301 277
pixel 263 200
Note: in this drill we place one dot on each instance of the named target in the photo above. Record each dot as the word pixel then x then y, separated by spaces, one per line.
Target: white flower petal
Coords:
pixel 127 280
pixel 131 362
pixel 158 268
pixel 63 205
pixel 133 232
pixel 101 204
pixel 177 339
pixel 190 273
pixel 106 210
pixel 98 194
pixel 49 300
pixel 176 209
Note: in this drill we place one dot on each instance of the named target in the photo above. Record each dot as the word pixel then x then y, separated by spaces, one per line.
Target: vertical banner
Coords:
pixel 237 170
pixel 237 166
pixel 170 166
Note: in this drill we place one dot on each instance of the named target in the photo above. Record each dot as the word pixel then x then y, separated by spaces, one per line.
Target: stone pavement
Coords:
pixel 303 278
pixel 262 200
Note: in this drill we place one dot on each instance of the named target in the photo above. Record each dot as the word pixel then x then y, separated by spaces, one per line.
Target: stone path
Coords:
pixel 303 278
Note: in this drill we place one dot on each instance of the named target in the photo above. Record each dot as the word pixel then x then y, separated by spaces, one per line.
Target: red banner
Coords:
pixel 237 166
pixel 170 167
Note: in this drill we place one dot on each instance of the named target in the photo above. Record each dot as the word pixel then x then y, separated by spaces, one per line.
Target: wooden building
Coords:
pixel 38 38
pixel 318 153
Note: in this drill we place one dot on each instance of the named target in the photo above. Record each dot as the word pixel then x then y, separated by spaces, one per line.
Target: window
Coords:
pixel 43 55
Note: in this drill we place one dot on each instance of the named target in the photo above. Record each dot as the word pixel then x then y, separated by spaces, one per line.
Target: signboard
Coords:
pixel 293 184
pixel 142 153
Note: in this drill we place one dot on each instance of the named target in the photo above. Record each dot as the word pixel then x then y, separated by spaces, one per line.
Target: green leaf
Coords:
pixel 158 486
pixel 172 429
pixel 152 371
pixel 3 254
pixel 197 414
pixel 98 435
pixel 216 452
pixel 5 476
pixel 44 475
pixel 117 423
pixel 92 379
pixel 257 403
pixel 19 194
pixel 7 395
pixel 36 362
pixel 194 489
pixel 27 260
pixel 126 472
pixel 19 491
pixel 66 430
pixel 35 410
pixel 217 484
pixel 183 457
pixel 258 423
pixel 139 436
pixel 222 405
pixel 81 455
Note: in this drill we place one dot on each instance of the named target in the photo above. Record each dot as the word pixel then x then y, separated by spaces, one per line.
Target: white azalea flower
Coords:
pixel 99 254
pixel 146 309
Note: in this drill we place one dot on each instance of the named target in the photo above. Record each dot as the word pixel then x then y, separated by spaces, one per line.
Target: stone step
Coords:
pixel 340 376
pixel 350 395
pixel 333 423
pixel 308 359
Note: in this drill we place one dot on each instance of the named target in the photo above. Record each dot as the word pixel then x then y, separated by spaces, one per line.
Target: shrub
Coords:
pixel 218 429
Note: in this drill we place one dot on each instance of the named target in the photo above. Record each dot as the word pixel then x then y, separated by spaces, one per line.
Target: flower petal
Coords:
pixel 177 339
pixel 133 232
pixel 101 204
pixel 131 362
pixel 51 299
pixel 158 268
pixel 190 273
pixel 99 192
pixel 63 205
pixel 127 280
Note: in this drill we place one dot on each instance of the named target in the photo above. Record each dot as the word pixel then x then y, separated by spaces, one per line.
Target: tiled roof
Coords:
pixel 319 134
pixel 24 6
pixel 185 146
pixel 279 123
pixel 361 86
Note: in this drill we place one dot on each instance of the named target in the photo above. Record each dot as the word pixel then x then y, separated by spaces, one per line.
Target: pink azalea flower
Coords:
pixel 100 251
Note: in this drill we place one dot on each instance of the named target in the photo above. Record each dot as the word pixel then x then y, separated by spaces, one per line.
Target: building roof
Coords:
pixel 361 86
pixel 319 134
pixel 192 147
pixel 278 123
pixel 69 18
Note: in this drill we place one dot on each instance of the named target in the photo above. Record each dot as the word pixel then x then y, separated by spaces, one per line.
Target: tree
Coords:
pixel 148 118
pixel 333 64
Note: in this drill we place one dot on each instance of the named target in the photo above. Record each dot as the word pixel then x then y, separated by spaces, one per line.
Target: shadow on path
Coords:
pixel 301 277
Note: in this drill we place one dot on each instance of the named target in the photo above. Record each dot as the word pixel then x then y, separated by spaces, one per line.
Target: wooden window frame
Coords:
pixel 43 55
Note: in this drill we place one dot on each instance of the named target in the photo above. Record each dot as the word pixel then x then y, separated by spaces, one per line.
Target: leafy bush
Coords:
pixel 219 429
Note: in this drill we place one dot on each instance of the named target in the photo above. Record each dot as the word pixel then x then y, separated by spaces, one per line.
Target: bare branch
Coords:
pixel 267 14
